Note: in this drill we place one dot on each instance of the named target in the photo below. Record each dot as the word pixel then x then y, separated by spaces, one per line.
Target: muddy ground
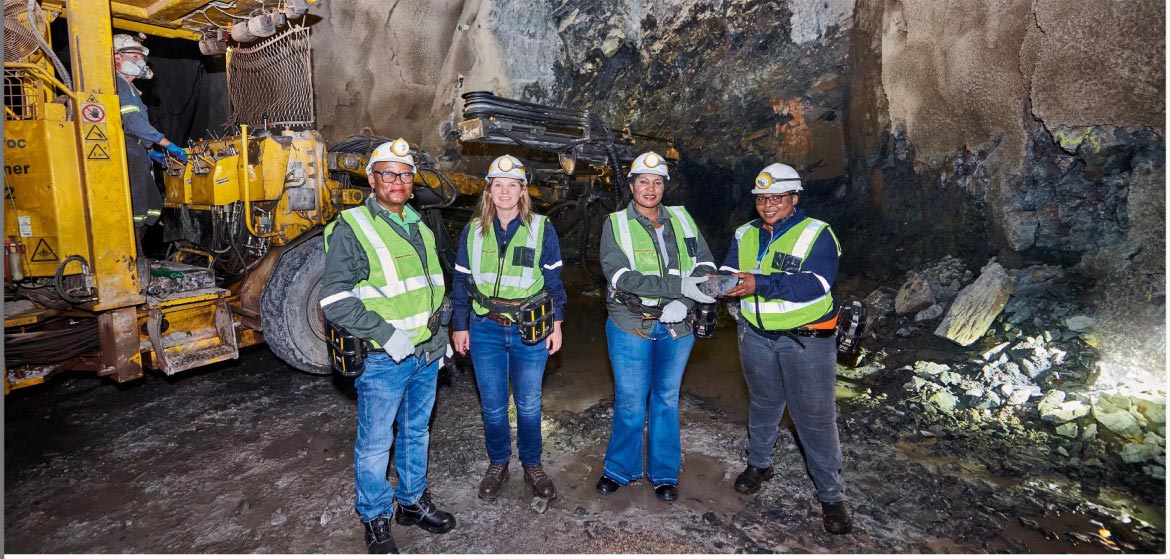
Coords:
pixel 254 457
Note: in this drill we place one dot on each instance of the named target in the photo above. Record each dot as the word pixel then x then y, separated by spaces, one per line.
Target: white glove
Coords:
pixel 398 347
pixel 690 290
pixel 674 311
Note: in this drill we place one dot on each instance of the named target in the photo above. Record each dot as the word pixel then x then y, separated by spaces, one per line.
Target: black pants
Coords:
pixel 144 194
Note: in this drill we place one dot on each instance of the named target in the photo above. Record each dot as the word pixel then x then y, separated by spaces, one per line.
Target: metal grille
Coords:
pixel 271 83
pixel 20 95
pixel 19 41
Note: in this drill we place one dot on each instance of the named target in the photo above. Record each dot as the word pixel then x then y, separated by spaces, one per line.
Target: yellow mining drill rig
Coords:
pixel 243 218
pixel 248 208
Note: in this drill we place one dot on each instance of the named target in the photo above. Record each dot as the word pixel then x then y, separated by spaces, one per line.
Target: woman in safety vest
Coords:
pixel 654 259
pixel 787 263
pixel 508 304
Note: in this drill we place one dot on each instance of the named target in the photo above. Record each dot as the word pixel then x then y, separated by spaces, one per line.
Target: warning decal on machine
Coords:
pixel 43 253
pixel 97 152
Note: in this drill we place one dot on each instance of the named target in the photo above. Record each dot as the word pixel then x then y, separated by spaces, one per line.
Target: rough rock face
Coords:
pixel 1028 130
pixel 738 84
pixel 1031 130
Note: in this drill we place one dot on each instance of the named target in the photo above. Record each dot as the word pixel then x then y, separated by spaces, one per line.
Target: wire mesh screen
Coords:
pixel 271 83
pixel 19 41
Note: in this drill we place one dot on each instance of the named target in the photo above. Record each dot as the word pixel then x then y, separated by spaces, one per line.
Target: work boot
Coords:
pixel 836 517
pixel 493 480
pixel 541 484
pixel 425 514
pixel 666 492
pixel 378 538
pixel 752 478
pixel 607 485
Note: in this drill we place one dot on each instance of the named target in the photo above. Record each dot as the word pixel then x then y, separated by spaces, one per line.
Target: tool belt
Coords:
pixel 347 353
pixel 534 316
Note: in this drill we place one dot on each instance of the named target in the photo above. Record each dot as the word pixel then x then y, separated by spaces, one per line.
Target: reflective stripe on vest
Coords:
pixel 778 314
pixel 397 275
pixel 514 282
pixel 641 249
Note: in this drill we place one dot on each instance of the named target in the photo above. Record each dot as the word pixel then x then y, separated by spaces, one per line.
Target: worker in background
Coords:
pixel 508 305
pixel 382 282
pixel 654 259
pixel 787 319
pixel 145 199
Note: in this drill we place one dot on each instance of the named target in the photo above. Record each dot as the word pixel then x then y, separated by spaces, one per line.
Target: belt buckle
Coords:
pixel 500 319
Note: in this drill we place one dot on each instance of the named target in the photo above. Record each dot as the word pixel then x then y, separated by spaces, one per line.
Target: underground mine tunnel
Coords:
pixel 994 173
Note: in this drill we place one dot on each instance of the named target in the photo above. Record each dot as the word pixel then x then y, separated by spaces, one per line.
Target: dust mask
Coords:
pixel 136 69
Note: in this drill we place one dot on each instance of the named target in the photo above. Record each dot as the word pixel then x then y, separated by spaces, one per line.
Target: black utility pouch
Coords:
pixel 535 318
pixel 347 353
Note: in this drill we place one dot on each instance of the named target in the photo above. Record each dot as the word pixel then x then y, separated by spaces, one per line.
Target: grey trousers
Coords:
pixel 780 373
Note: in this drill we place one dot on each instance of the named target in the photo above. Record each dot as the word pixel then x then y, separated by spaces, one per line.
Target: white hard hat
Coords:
pixel 398 151
pixel 125 43
pixel 649 163
pixel 506 166
pixel 777 178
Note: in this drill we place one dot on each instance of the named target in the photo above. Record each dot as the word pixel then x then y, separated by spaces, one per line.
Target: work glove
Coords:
pixel 398 347
pixel 674 311
pixel 690 290
pixel 177 152
pixel 158 157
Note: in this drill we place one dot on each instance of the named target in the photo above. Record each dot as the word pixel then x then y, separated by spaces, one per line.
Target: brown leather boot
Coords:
pixel 493 481
pixel 541 484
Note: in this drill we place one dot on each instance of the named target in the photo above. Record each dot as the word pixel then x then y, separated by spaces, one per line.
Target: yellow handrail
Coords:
pixel 41 73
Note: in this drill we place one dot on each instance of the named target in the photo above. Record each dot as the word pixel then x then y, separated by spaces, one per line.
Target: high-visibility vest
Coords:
pixel 641 249
pixel 510 272
pixel 401 288
pixel 794 247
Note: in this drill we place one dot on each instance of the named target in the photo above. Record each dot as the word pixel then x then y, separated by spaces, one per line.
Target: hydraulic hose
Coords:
pixel 32 23
pixel 58 280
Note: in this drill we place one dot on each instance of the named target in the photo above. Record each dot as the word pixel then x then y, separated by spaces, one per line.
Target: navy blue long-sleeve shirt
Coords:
pixel 550 267
pixel 135 121
pixel 816 275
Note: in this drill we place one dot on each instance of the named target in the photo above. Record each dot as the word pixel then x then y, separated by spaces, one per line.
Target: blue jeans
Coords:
pixel 780 373
pixel 389 391
pixel 500 356
pixel 645 370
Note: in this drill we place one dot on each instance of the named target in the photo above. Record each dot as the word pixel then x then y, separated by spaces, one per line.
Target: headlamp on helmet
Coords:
pixel 649 163
pixel 507 167
pixel 777 178
pixel 397 151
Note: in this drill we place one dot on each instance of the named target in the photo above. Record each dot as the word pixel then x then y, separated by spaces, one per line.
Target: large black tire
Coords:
pixel 294 325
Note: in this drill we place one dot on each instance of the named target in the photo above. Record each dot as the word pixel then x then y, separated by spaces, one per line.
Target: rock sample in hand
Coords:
pixel 976 306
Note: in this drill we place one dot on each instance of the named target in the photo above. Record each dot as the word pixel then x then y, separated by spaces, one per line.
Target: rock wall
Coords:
pixel 1033 130
pixel 376 64
pixel 737 83
pixel 1029 130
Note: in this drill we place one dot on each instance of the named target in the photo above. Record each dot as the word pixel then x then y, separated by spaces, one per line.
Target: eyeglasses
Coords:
pixel 391 176
pixel 771 200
